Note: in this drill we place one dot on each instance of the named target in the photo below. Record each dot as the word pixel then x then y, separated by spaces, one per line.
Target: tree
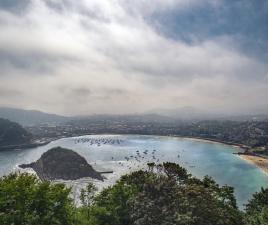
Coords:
pixel 165 201
pixel 24 200
pixel 175 171
pixel 87 196
pixel 257 209
pixel 163 195
pixel 113 203
pixel 166 196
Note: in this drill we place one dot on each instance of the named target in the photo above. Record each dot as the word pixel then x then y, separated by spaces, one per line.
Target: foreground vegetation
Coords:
pixel 164 194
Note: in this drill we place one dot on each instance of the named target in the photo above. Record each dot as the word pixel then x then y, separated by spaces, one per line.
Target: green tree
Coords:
pixel 86 197
pixel 166 196
pixel 165 201
pixel 24 200
pixel 257 209
pixel 113 203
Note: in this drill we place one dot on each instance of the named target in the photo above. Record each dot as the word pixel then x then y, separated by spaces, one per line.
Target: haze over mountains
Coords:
pixel 30 117
pixel 35 117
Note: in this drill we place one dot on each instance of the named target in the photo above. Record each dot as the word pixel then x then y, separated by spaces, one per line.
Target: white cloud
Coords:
pixel 51 55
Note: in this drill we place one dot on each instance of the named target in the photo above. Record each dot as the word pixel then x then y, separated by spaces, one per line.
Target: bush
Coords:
pixel 257 209
pixel 166 195
pixel 24 200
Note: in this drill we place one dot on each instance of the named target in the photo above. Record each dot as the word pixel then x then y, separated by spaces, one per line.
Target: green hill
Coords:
pixel 30 117
pixel 12 133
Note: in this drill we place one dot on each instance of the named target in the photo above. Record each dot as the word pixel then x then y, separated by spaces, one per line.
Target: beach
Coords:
pixel 258 161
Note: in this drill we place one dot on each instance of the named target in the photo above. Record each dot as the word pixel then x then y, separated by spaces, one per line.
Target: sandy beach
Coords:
pixel 207 141
pixel 260 162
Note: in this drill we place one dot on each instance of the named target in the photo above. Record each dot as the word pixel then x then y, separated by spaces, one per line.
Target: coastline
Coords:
pixel 260 162
pixel 208 140
pixel 257 160
pixel 23 146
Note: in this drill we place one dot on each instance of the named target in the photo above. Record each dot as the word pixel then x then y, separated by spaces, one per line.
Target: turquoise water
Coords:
pixel 200 158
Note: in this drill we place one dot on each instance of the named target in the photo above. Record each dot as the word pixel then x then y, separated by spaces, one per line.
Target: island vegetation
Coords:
pixel 164 194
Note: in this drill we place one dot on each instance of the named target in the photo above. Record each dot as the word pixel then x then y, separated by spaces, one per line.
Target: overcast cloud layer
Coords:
pixel 122 56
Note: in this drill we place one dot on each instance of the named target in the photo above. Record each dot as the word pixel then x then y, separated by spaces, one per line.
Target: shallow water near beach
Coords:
pixel 124 153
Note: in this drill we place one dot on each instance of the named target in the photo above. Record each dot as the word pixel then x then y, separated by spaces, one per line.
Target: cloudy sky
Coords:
pixel 127 56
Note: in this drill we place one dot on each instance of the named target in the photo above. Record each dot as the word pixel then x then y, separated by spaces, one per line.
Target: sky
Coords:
pixel 133 56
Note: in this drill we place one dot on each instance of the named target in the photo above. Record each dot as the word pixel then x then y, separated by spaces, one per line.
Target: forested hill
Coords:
pixel 12 133
pixel 30 117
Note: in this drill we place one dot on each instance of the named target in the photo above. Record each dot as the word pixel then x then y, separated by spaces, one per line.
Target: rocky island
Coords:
pixel 61 163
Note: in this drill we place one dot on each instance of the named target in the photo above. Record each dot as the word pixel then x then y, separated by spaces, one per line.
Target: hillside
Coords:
pixel 12 133
pixel 30 117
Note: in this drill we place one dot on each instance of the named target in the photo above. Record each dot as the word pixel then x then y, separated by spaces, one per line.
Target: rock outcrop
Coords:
pixel 61 163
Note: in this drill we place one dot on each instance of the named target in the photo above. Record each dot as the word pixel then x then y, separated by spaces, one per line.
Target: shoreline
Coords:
pixel 213 141
pixel 22 146
pixel 258 161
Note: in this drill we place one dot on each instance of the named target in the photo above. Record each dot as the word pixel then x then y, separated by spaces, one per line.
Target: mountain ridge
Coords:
pixel 11 133
pixel 30 117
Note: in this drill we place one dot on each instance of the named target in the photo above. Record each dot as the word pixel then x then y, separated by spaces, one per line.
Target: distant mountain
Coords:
pixel 241 118
pixel 191 113
pixel 35 117
pixel 31 117
pixel 12 133
pixel 185 113
pixel 117 119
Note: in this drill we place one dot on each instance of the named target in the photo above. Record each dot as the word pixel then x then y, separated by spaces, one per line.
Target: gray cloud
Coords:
pixel 7 93
pixel 31 63
pixel 82 92
pixel 15 6
pixel 80 57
